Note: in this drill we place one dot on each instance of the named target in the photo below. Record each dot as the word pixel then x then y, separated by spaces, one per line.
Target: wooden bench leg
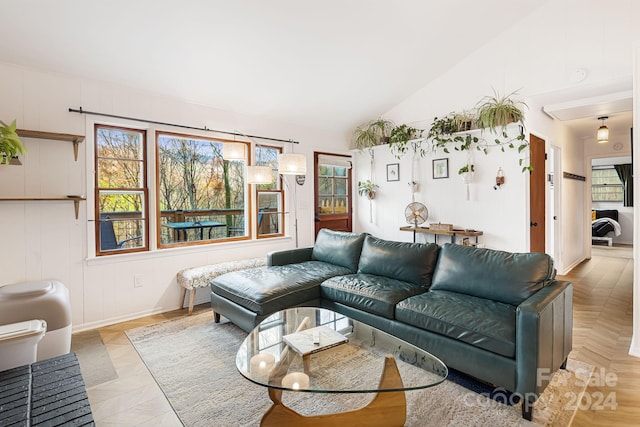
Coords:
pixel 183 294
pixel 192 296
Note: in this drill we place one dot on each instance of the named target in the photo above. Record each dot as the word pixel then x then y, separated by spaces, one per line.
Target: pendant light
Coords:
pixel 292 164
pixel 602 135
pixel 259 175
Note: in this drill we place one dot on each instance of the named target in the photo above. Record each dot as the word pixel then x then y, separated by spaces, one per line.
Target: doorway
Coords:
pixel 333 198
pixel 537 195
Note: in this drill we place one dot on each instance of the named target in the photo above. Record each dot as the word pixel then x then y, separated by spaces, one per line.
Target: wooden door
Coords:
pixel 537 207
pixel 333 199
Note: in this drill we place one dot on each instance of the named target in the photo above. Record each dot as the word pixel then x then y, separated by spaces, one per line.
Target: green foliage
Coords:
pixel 367 188
pixel 10 144
pixel 498 111
pixel 404 137
pixel 372 133
pixel 465 169
pixel 494 113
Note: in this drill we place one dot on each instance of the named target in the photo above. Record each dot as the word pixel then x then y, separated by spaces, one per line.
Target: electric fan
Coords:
pixel 416 213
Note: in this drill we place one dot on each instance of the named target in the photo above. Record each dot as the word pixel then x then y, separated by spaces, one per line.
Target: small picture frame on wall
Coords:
pixel 440 168
pixel 393 172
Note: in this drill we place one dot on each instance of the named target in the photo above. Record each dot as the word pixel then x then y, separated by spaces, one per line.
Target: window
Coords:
pixel 270 209
pixel 606 185
pixel 333 189
pixel 201 196
pixel 120 190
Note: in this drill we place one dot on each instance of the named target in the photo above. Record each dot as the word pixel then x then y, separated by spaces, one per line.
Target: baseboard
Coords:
pixel 114 320
pixel 571 266
pixel 634 349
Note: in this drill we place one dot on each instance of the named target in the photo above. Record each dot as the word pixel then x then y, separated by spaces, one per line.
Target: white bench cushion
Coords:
pixel 198 277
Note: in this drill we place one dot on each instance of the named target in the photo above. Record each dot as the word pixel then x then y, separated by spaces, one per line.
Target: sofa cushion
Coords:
pixel 409 262
pixel 265 290
pixel 373 294
pixel 339 248
pixel 496 275
pixel 483 323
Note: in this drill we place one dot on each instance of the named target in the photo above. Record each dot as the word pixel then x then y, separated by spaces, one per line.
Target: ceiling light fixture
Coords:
pixel 602 135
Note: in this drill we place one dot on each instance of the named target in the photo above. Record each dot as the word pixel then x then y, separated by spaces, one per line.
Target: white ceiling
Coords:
pixel 326 64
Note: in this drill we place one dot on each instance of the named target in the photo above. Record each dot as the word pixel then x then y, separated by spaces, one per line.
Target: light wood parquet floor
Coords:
pixel 601 337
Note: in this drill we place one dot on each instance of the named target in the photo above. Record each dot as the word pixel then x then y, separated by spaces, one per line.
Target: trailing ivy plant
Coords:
pixel 404 138
pixel 493 114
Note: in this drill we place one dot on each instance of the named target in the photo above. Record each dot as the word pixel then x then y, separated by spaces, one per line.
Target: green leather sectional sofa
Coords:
pixel 500 317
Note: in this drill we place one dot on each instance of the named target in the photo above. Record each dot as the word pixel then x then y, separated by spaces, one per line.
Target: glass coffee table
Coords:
pixel 316 350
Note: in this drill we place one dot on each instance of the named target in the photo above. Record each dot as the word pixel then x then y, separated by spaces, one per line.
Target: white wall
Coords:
pixel 535 56
pixel 43 239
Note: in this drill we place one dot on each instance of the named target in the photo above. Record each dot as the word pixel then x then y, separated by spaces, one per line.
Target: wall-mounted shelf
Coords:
pixel 75 199
pixel 75 139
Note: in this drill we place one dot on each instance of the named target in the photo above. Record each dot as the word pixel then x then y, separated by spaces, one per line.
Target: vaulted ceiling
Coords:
pixel 327 64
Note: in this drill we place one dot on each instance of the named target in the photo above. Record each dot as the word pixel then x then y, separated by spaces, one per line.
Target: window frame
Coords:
pixel 593 186
pixel 158 213
pixel 98 190
pixel 279 190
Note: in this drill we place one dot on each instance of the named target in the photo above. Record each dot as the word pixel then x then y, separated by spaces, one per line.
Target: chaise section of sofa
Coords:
pixel 292 278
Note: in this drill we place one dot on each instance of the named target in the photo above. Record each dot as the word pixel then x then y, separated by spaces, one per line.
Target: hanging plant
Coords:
pixel 367 189
pixel 404 138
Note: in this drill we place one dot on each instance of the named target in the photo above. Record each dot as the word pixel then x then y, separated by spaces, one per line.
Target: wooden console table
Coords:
pixel 453 233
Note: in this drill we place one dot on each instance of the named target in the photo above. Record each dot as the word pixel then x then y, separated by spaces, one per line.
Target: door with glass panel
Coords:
pixel 333 201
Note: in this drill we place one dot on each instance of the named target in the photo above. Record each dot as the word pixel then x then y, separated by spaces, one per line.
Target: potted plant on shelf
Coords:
pixel 364 136
pixel 367 189
pixel 498 111
pixel 10 144
pixel 405 137
pixel 382 127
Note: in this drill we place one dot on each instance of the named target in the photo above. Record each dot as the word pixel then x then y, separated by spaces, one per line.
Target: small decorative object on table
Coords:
pixel 303 342
pixel 441 227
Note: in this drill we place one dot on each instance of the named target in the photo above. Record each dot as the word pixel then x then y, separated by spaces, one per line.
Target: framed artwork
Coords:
pixel 440 168
pixel 393 172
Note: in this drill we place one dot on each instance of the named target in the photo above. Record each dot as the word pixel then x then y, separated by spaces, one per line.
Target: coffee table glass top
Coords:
pixel 318 350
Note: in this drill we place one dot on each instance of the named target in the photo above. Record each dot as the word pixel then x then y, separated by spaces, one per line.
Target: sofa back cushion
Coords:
pixel 500 276
pixel 409 262
pixel 338 248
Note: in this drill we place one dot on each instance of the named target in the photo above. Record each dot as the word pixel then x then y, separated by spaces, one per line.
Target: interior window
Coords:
pixel 201 196
pixel 269 206
pixel 120 190
pixel 606 185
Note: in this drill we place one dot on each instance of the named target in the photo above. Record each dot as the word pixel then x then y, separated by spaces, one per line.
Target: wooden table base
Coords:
pixel 386 409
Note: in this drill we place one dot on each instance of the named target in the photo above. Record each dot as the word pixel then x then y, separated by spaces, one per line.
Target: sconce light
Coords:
pixel 602 135
pixel 233 151
pixel 259 175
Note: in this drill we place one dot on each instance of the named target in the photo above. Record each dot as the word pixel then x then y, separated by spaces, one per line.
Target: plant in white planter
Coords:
pixel 10 144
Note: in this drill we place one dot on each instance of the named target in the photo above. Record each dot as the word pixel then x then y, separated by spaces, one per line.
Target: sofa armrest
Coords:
pixel 544 326
pixel 289 256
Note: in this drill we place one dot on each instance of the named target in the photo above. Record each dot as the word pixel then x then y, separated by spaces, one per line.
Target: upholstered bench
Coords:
pixel 199 277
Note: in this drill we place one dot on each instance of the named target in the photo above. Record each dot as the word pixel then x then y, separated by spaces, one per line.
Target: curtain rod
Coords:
pixel 93 113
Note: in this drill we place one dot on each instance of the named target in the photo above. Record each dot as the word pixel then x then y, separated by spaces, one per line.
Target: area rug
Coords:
pixel 94 359
pixel 193 361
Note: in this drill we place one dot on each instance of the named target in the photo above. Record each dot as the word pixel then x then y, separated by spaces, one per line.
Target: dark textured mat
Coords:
pixel 47 393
